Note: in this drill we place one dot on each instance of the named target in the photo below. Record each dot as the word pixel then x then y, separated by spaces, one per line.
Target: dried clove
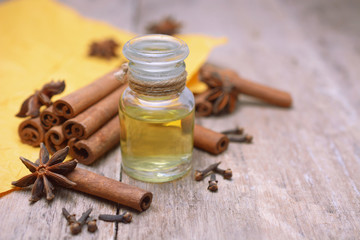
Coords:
pixel 126 217
pixel 242 138
pixel 213 183
pixel 199 175
pixel 76 225
pixel 91 224
pixel 237 130
pixel 227 174
pixel 70 218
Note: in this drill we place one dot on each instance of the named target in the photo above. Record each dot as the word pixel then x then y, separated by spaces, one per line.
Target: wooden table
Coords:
pixel 298 180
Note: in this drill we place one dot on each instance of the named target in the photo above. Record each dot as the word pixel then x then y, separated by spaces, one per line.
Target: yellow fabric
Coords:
pixel 42 40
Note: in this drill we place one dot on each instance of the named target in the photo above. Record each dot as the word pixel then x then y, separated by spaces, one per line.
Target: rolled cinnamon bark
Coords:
pixel 88 150
pixel 89 121
pixel 55 139
pixel 76 102
pixel 95 184
pixel 31 132
pixel 203 107
pixel 49 118
pixel 210 141
pixel 265 93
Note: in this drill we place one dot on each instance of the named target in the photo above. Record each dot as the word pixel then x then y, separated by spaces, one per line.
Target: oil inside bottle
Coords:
pixel 156 146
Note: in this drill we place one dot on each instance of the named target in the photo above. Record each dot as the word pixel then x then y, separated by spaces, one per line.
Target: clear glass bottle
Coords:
pixel 156 131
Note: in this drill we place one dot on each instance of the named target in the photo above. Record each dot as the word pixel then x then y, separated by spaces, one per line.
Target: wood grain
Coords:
pixel 298 180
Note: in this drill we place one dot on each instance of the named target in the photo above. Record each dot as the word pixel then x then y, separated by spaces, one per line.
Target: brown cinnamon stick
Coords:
pixel 95 184
pixel 49 118
pixel 89 121
pixel 203 107
pixel 265 93
pixel 76 102
pixel 88 150
pixel 55 139
pixel 31 132
pixel 210 141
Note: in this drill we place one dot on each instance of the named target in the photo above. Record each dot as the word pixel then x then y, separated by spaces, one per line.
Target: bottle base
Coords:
pixel 158 177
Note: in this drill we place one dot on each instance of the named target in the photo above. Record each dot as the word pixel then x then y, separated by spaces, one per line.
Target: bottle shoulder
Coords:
pixel 157 108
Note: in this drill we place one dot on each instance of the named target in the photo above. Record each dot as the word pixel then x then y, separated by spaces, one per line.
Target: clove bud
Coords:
pixel 242 138
pixel 213 183
pixel 126 217
pixel 91 224
pixel 227 174
pixel 199 175
pixel 237 130
pixel 75 226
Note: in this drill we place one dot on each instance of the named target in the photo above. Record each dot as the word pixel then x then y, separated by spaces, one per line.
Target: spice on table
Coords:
pixel 55 140
pixel 211 74
pixel 71 218
pixel 237 130
pixel 223 94
pixel 245 138
pixel 46 173
pixel 104 49
pixel 226 173
pixel 203 107
pixel 213 183
pixel 31 106
pixel 126 217
pixel 91 224
pixel 70 105
pixel 209 140
pixel 168 26
pixel 110 189
pixel 93 118
pixel 200 174
pixel 31 132
pixel 76 225
pixel 49 118
pixel 89 150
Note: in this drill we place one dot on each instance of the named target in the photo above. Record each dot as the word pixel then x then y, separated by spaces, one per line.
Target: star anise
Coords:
pixel 47 172
pixel 104 49
pixel 166 26
pixel 223 94
pixel 31 106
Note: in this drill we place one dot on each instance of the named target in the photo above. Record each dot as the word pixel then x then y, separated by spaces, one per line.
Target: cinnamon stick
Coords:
pixel 89 121
pixel 49 118
pixel 76 102
pixel 265 93
pixel 107 188
pixel 203 107
pixel 89 150
pixel 210 141
pixel 31 132
pixel 55 139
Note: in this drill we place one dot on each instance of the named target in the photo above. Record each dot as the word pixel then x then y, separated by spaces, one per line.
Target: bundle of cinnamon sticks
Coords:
pixel 86 120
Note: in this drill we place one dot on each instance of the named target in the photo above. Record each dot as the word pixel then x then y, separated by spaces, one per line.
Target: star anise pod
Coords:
pixel 46 173
pixel 223 94
pixel 31 106
pixel 104 49
pixel 166 26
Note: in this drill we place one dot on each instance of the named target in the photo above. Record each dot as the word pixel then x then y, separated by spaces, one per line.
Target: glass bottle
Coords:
pixel 156 131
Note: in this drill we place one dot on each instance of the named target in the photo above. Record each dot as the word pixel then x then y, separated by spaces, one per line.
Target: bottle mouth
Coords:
pixel 155 48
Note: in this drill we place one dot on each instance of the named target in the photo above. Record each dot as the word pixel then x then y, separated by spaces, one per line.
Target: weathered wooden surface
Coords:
pixel 299 180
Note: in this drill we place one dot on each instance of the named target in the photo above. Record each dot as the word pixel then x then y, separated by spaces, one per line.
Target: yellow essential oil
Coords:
pixel 157 110
pixel 156 149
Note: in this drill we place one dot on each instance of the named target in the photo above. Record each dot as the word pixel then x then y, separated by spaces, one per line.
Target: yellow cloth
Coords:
pixel 41 40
